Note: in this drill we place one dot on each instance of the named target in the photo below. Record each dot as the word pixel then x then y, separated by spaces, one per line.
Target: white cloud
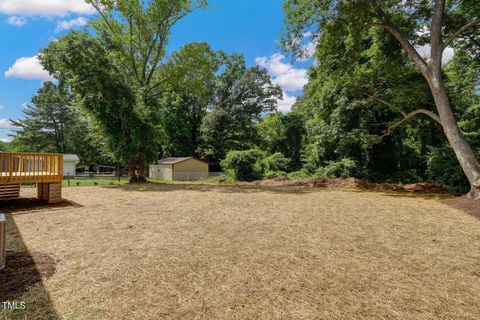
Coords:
pixel 44 7
pixel 308 51
pixel 68 24
pixel 285 104
pixel 17 21
pixel 1 107
pixel 6 124
pixel 288 77
pixel 28 68
pixel 274 64
pixel 425 51
pixel 293 80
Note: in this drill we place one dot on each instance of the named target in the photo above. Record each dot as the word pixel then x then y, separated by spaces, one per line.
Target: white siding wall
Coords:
pixel 69 168
pixel 161 171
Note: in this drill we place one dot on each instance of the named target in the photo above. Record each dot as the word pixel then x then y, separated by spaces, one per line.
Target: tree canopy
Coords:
pixel 353 26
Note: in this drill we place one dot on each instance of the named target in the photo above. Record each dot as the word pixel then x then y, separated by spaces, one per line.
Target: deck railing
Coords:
pixel 30 167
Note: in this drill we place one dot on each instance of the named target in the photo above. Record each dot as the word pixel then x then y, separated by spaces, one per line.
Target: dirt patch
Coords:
pixel 470 206
pixel 354 183
pixel 22 271
pixel 426 188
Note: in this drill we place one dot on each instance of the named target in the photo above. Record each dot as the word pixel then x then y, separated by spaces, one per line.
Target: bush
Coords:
pixel 274 174
pixel 344 168
pixel 222 179
pixel 443 168
pixel 275 162
pixel 244 165
pixel 301 174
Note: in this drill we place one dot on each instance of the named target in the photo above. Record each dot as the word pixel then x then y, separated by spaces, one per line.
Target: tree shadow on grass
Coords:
pixel 22 292
pixel 29 205
pixel 472 207
pixel 252 188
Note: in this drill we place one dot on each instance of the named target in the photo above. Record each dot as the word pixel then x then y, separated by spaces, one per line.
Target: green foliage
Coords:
pixel 244 165
pixel 274 174
pixel 272 132
pixel 443 169
pixel 284 134
pixel 275 162
pixel 46 123
pixel 300 174
pixel 191 76
pixel 4 146
pixel 364 83
pixel 54 124
pixel 344 168
pixel 241 95
pixel 116 71
pixel 222 179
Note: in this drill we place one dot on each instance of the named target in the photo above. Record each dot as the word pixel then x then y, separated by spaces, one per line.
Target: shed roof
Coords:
pixel 70 157
pixel 174 160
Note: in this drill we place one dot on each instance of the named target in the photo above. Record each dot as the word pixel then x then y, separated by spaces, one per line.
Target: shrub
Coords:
pixel 275 162
pixel 344 168
pixel 222 179
pixel 244 165
pixel 443 168
pixel 301 174
pixel 274 174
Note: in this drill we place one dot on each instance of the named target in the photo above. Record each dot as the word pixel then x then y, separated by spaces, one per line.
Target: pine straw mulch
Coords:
pixel 254 252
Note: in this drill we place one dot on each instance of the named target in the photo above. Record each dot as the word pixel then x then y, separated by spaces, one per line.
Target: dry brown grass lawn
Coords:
pixel 239 252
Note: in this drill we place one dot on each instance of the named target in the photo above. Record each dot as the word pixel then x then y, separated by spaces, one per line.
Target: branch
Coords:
pixel 475 41
pixel 431 114
pixel 436 40
pixel 407 46
pixel 103 16
pixel 110 27
pixel 132 54
pixel 409 116
pixel 460 31
pixel 160 48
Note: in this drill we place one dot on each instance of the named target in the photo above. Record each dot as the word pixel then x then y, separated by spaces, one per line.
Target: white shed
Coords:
pixel 70 165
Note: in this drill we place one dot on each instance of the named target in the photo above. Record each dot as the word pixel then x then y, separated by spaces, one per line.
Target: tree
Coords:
pixel 4 146
pixel 116 71
pixel 55 124
pixel 191 77
pixel 283 133
pixel 240 96
pixel 46 123
pixel 411 23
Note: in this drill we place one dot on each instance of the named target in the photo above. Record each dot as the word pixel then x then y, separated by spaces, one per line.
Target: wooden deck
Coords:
pixel 44 169
pixel 30 168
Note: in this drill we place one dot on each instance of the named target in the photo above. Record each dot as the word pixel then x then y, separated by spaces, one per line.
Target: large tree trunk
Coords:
pixel 138 175
pixel 141 169
pixel 433 74
pixel 459 144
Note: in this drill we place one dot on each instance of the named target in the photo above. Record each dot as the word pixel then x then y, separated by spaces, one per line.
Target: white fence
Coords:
pixel 188 176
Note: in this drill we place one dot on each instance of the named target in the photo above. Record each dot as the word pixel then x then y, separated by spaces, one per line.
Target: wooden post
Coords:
pixel 3 236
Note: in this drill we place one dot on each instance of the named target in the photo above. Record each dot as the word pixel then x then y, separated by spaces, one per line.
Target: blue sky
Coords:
pixel 250 27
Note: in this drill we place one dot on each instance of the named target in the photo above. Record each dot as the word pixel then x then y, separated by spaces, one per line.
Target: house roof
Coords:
pixel 70 157
pixel 174 160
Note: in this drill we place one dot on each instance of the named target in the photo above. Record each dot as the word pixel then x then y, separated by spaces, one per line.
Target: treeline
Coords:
pixel 120 98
